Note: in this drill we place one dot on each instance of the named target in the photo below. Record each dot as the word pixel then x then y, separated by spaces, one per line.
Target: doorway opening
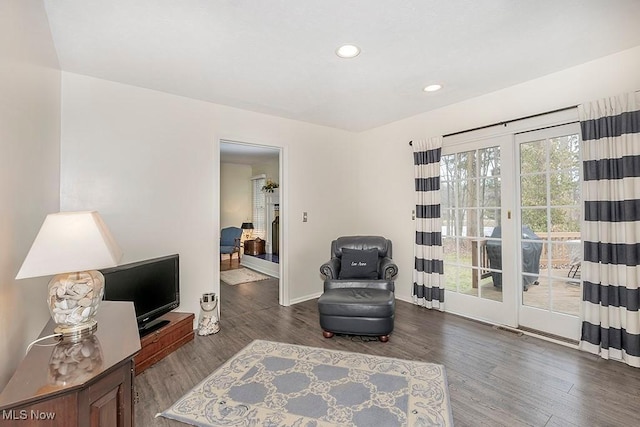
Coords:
pixel 250 188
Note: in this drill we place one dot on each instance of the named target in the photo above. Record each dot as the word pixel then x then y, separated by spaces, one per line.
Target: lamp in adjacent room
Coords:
pixel 73 246
pixel 247 229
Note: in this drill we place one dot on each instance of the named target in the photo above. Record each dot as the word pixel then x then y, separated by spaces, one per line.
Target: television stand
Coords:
pixel 152 326
pixel 175 330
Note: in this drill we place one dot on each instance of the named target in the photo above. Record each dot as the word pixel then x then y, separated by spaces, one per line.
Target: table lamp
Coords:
pixel 72 245
pixel 247 228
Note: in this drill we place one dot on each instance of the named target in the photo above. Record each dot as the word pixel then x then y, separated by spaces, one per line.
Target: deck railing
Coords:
pixel 560 255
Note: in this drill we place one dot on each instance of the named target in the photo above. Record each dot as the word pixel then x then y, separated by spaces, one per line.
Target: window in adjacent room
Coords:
pixel 259 206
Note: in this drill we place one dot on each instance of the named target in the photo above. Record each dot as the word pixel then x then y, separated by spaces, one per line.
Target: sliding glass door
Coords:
pixel 476 227
pixel 511 215
pixel 550 215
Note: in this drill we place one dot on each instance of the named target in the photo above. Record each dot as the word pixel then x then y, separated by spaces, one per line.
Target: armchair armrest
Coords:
pixel 331 268
pixel 388 268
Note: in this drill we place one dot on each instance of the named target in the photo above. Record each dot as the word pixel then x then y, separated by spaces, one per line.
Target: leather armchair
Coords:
pixel 358 306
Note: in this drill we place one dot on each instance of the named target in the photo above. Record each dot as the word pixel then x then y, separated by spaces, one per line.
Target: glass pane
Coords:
pixel 464 252
pixel 468 193
pixel 531 254
pixel 559 256
pixel 564 188
pixel 448 222
pixel 470 226
pixel 449 249
pixel 533 157
pixel 536 295
pixel 489 220
pixel 545 257
pixel 466 166
pixel 447 167
pixel 490 192
pixel 493 248
pixel 535 219
pixel 458 222
pixel 489 162
pixel 470 180
pixel 565 219
pixel 574 253
pixel 551 167
pixel 446 195
pixel 564 152
pixel 488 290
pixel 566 296
pixel 464 282
pixel 478 254
pixel 451 277
pixel 474 194
pixel 533 190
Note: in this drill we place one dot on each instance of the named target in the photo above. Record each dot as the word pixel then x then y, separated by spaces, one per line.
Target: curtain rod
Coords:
pixel 504 123
pixel 512 120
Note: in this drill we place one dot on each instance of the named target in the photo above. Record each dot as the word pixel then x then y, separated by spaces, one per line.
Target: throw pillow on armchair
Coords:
pixel 359 264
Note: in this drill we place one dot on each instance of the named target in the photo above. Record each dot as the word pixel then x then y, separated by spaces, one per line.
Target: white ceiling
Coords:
pixel 277 57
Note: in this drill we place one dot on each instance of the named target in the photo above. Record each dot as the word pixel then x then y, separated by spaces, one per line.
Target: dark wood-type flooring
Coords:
pixel 496 378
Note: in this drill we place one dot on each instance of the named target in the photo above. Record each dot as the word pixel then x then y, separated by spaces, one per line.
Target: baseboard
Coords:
pixel 402 298
pixel 305 298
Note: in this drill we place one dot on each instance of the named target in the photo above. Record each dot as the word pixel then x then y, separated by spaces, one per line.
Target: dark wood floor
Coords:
pixel 496 378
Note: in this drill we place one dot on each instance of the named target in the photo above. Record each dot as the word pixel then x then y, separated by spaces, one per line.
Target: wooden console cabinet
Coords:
pixel 89 383
pixel 160 343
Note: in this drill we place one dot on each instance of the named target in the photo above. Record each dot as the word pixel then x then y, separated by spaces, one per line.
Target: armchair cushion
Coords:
pixel 359 264
pixel 357 302
pixel 227 249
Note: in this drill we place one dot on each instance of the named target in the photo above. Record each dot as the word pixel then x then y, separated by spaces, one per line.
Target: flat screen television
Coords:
pixel 152 285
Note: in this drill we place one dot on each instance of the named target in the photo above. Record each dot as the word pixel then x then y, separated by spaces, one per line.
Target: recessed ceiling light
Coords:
pixel 348 51
pixel 432 88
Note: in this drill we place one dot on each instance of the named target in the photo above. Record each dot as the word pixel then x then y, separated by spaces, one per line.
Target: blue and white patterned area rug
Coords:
pixel 274 384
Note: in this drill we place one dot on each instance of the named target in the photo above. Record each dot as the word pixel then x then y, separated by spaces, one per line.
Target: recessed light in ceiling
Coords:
pixel 432 88
pixel 348 51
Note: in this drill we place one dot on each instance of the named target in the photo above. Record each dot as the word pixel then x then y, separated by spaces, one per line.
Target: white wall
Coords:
pixel 385 175
pixel 271 169
pixel 149 162
pixel 29 168
pixel 235 194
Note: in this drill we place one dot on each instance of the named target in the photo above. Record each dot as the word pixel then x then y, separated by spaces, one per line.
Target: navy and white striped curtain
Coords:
pixel 428 282
pixel 611 234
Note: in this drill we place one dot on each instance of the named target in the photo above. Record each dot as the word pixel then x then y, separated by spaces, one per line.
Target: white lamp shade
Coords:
pixel 70 242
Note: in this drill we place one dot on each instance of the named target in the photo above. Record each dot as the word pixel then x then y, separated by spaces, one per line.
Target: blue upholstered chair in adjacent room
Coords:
pixel 230 242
